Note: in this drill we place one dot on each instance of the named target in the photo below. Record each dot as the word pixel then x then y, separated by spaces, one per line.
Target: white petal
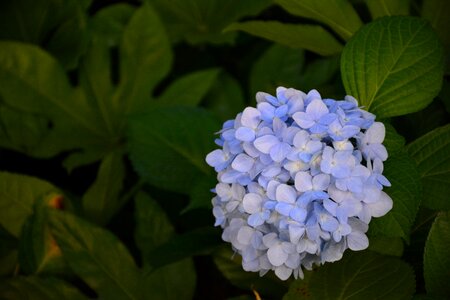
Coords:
pixel 250 117
pixel 357 241
pixel 215 158
pixel 270 239
pixel 303 181
pixel 242 163
pixel 279 151
pixel 301 138
pixel 223 190
pixel 316 109
pixel 321 182
pixel 252 203
pixel 380 207
pixel 286 193
pixel 295 233
pixel 283 272
pixel 245 134
pixel 375 134
pixel 245 234
pixel 265 143
pixel 276 255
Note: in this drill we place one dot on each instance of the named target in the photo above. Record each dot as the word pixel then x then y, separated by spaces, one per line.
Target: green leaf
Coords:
pixel 436 259
pixel 37 288
pixel 230 265
pixel 405 192
pixel 436 12
pixel 59 26
pixel 18 194
pixel 8 253
pixel 363 275
pixel 32 81
pixel 96 256
pixel 225 98
pixel 101 200
pixel 110 22
pixel 431 153
pixel 168 146
pixel 386 245
pixel 393 66
pixel 278 66
pixel 309 37
pixel 69 40
pixel 200 21
pixel 201 195
pixel 338 14
pixel 190 89
pixel 393 141
pixel 95 80
pixel 21 131
pixel 38 251
pixel 199 241
pixel 318 73
pixel 145 58
pixel 172 281
pixel 381 8
pixel 153 226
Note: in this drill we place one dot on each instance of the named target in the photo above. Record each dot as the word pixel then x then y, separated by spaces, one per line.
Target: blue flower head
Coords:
pixel 300 178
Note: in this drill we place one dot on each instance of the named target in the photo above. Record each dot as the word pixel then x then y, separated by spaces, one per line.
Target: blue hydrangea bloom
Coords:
pixel 300 178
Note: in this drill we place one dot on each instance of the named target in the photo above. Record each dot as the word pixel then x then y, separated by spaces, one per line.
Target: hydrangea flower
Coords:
pixel 300 178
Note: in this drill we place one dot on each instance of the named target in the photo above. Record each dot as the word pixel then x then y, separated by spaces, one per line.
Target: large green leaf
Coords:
pixel 200 21
pixel 190 89
pixel 406 195
pixel 363 275
pixel 432 155
pixel 145 58
pixel 319 73
pixel 153 226
pixel 381 8
pixel 38 251
pixel 101 200
pixel 33 82
pixel 225 98
pixel 393 141
pixel 436 259
pixel 96 256
pixel 338 14
pixel 436 12
pixel 37 288
pixel 201 195
pixel 95 80
pixel 278 66
pixel 393 66
pixel 8 253
pixel 18 194
pixel 309 37
pixel 172 281
pixel 21 131
pixel 59 26
pixel 110 22
pixel 168 146
pixel 199 241
pixel 386 245
pixel 230 265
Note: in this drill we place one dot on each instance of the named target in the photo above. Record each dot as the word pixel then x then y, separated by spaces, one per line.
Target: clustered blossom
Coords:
pixel 300 178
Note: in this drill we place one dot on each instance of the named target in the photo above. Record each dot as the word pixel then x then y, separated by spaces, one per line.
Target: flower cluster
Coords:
pixel 300 178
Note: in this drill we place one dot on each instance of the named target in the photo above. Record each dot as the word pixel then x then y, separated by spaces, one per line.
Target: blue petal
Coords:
pixel 284 208
pixel 242 163
pixel 245 134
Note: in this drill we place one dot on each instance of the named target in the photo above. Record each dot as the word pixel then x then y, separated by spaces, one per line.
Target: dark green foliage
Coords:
pixel 107 112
